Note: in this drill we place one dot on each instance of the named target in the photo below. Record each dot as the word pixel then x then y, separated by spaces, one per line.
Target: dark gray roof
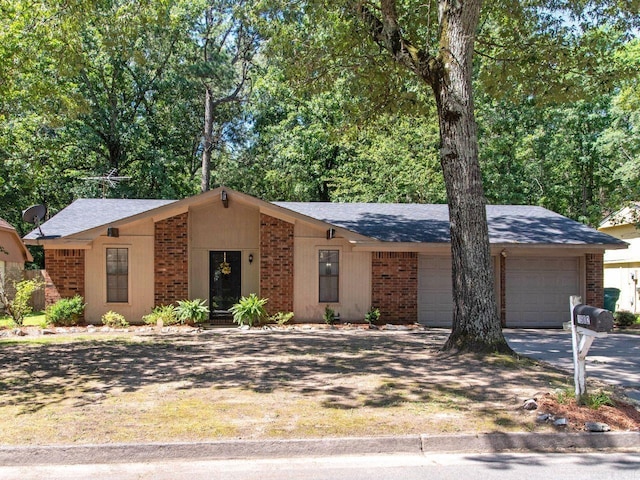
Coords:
pixel 403 222
pixel 87 213
pixel 388 222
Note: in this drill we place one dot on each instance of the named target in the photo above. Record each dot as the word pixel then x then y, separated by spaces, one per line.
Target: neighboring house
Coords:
pixel 622 267
pixel 130 255
pixel 13 254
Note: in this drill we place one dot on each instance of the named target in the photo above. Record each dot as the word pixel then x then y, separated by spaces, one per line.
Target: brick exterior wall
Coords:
pixel 595 279
pixel 171 265
pixel 63 274
pixel 276 263
pixel 394 286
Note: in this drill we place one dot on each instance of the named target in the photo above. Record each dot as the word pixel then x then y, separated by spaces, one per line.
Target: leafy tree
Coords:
pixel 229 44
pixel 537 47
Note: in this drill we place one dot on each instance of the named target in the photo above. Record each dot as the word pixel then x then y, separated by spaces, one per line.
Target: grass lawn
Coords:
pixel 35 319
pixel 259 384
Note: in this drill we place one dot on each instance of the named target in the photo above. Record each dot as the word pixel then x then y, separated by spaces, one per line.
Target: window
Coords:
pixel 329 269
pixel 117 275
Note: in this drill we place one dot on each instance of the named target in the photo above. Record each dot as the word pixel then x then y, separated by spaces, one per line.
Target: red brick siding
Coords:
pixel 171 266
pixel 64 274
pixel 595 279
pixel 394 284
pixel 276 263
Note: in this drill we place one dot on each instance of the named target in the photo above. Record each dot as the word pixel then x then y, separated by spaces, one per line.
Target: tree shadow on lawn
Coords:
pixel 337 366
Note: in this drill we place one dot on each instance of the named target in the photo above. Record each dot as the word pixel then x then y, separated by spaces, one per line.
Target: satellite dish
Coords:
pixel 34 215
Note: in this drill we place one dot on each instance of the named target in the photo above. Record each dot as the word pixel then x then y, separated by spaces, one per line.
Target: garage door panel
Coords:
pixel 538 290
pixel 435 298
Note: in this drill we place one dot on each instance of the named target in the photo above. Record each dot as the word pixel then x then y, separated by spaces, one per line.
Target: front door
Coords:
pixel 225 280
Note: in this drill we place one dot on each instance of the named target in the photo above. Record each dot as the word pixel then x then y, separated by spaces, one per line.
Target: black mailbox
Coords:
pixel 592 318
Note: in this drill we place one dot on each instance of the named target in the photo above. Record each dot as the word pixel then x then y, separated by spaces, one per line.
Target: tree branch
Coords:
pixel 387 33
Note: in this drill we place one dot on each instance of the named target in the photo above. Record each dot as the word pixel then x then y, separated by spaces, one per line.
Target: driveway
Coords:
pixel 614 359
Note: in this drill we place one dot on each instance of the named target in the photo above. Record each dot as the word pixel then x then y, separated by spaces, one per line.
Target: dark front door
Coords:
pixel 225 280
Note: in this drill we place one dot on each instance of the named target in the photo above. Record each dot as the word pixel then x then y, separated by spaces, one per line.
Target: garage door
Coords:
pixel 538 290
pixel 435 301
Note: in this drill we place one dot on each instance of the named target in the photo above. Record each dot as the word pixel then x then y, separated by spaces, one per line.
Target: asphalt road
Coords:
pixel 619 466
pixel 614 359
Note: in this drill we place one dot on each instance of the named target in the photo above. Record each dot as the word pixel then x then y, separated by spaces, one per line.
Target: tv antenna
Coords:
pixel 109 180
pixel 34 215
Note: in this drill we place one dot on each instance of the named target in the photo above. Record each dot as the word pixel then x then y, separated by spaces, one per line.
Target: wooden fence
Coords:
pixel 37 299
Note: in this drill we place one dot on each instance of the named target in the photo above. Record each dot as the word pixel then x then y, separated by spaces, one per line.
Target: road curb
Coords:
pixel 235 449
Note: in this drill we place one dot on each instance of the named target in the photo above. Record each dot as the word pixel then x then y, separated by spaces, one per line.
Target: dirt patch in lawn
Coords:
pixel 144 386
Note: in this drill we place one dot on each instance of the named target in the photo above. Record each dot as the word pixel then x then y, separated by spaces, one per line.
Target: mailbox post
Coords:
pixel 587 323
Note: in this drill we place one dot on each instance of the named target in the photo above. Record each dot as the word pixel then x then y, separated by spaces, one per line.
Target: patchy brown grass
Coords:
pixel 260 384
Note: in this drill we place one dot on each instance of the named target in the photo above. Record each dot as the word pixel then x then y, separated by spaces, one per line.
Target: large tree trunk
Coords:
pixel 476 324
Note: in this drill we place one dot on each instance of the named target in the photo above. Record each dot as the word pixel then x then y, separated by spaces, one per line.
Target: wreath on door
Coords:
pixel 225 268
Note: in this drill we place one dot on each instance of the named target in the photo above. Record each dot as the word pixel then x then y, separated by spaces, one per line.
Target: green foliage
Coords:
pixel 598 399
pixel 66 311
pixel 329 315
pixel 372 316
pixel 281 318
pixel 114 320
pixel 192 311
pixel 17 304
pixel 162 315
pixel 249 310
pixel 624 319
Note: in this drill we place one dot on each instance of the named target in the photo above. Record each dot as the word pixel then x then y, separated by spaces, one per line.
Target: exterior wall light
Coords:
pixel 224 198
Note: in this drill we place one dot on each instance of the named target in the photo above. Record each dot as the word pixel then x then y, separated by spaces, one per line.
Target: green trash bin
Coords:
pixel 611 296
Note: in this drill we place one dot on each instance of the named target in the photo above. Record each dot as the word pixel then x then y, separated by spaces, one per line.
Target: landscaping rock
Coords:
pixel 544 417
pixel 530 404
pixel 596 427
pixel 560 422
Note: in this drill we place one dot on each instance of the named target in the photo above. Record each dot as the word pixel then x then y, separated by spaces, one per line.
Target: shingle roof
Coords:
pixel 86 213
pixel 388 222
pixel 403 222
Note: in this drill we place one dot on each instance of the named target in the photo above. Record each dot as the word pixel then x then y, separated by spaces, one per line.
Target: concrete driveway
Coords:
pixel 614 359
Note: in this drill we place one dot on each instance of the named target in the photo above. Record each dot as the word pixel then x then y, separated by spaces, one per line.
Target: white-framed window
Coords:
pixel 117 275
pixel 329 276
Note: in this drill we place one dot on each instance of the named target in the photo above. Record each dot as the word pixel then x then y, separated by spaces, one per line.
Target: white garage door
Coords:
pixel 538 290
pixel 435 301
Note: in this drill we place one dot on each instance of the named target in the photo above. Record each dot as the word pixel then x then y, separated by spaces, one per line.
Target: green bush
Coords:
pixel 624 319
pixel 249 310
pixel 18 307
pixel 329 315
pixel 281 318
pixel 192 311
pixel 164 314
pixel 114 320
pixel 66 311
pixel 372 316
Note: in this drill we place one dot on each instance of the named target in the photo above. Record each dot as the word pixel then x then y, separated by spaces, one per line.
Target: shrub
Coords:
pixel 624 319
pixel 192 311
pixel 114 320
pixel 18 307
pixel 66 311
pixel 281 318
pixel 249 310
pixel 329 315
pixel 164 314
pixel 372 316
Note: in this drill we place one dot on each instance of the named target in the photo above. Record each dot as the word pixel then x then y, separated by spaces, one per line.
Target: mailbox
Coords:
pixel 592 318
